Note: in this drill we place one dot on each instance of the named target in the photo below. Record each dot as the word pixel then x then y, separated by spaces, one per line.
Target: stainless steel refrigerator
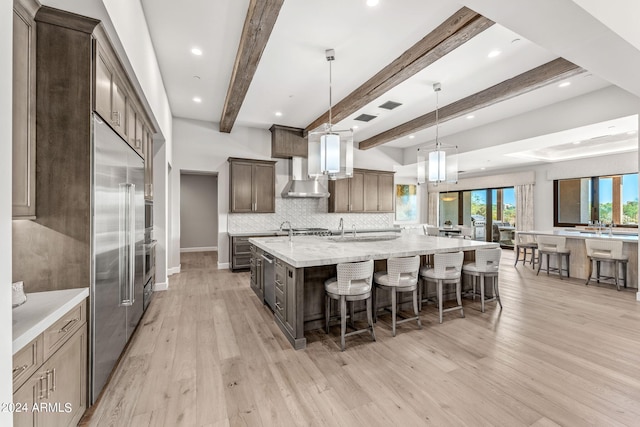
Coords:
pixel 118 250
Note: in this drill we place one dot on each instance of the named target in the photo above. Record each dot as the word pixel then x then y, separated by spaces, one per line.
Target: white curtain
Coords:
pixel 432 211
pixel 524 207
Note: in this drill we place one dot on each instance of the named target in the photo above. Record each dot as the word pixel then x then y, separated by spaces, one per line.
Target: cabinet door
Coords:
pixel 118 105
pixel 102 95
pixel 148 164
pixel 24 115
pixel 339 196
pixel 131 124
pixel 356 192
pixel 139 134
pixel 240 192
pixel 290 300
pixel 67 376
pixel 386 193
pixel 371 192
pixel 264 187
pixel 24 399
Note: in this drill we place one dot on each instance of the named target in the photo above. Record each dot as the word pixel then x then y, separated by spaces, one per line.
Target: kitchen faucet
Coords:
pixel 290 229
pixel 341 227
pixel 354 230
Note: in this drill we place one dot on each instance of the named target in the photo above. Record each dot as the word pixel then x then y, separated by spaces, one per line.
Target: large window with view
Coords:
pixel 611 199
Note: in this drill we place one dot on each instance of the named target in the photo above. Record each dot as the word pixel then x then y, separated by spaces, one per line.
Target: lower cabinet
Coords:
pixel 255 268
pixel 56 394
pixel 240 253
pixel 285 295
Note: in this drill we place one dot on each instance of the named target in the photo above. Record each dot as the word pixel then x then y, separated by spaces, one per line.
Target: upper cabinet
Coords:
pixel 252 186
pixel 147 139
pixel 366 191
pixel 24 110
pixel 287 142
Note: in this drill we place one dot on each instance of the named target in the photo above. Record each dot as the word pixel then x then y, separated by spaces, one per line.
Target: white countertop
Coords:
pixel 42 310
pixel 309 251
pixel 582 234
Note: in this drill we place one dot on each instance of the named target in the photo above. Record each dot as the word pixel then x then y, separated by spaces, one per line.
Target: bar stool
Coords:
pixel 525 242
pixel 401 276
pixel 487 264
pixel 556 246
pixel 353 283
pixel 609 251
pixel 447 268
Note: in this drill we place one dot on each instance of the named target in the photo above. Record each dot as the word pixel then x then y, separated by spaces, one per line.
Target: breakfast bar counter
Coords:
pixel 303 263
pixel 578 259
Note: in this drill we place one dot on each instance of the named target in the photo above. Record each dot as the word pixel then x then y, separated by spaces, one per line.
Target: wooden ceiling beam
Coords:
pixel 258 24
pixel 455 31
pixel 546 74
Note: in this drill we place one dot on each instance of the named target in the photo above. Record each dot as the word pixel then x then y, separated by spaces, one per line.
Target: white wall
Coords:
pixel 6 36
pixel 198 212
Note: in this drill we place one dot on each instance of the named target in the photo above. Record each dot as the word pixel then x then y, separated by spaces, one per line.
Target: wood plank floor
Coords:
pixel 209 354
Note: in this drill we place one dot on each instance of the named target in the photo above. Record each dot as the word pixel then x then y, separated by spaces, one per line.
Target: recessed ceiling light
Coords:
pixel 278 114
pixel 372 3
pixel 470 116
pixel 197 99
pixel 411 136
pixel 577 142
pixel 564 84
pixel 196 51
pixel 482 169
pixel 631 132
pixel 354 127
pixel 494 53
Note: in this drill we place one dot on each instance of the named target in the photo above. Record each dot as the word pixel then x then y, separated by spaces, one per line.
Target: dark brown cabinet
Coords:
pixel 366 191
pixel 252 186
pixel 147 145
pixel 287 142
pixel 110 96
pixel 24 110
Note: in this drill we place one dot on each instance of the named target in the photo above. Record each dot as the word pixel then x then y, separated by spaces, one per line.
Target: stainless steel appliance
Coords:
pixel 478 223
pixel 118 250
pixel 148 215
pixel 269 280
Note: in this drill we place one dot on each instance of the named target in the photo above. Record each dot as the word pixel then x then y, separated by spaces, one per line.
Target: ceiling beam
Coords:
pixel 260 20
pixel 455 31
pixel 546 74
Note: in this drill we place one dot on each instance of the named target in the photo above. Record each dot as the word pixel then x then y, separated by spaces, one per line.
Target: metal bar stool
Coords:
pixel 525 242
pixel 447 268
pixel 487 264
pixel 609 251
pixel 353 283
pixel 556 246
pixel 401 276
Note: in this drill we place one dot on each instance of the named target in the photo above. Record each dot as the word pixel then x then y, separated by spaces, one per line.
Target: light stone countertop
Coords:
pixel 310 251
pixel 582 234
pixel 42 310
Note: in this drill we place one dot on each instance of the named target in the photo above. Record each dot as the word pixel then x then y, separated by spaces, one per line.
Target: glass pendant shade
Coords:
pixel 438 164
pixel 330 153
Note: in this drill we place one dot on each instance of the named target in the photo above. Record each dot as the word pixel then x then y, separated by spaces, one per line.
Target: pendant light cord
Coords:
pixel 437 98
pixel 330 84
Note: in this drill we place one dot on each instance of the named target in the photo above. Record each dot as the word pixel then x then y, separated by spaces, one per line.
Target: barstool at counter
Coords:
pixel 524 243
pixel 556 246
pixel 609 251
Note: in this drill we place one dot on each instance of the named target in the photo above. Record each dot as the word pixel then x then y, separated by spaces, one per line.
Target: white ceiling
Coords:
pixel 292 77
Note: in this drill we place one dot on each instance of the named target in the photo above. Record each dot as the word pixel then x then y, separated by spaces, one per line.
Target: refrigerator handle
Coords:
pixel 132 243
pixel 126 272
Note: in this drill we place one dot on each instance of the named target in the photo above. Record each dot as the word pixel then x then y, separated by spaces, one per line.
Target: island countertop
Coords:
pixel 311 251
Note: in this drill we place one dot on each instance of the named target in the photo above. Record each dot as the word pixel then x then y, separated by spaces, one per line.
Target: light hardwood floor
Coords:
pixel 208 353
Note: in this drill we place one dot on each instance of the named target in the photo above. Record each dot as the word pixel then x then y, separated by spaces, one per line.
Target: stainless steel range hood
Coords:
pixel 300 185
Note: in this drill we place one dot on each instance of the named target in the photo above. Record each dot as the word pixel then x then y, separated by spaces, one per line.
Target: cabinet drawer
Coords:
pixel 59 332
pixel 280 303
pixel 242 261
pixel 241 245
pixel 27 361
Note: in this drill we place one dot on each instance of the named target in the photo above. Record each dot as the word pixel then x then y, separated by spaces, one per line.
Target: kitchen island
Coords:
pixel 580 263
pixel 302 264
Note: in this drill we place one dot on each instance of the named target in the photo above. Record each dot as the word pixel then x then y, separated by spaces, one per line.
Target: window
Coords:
pixel 609 199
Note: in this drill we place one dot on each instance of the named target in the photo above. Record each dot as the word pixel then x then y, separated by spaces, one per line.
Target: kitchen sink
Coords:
pixel 377 238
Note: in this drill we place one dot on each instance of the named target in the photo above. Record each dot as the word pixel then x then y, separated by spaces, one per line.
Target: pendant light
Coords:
pixel 330 150
pixel 438 163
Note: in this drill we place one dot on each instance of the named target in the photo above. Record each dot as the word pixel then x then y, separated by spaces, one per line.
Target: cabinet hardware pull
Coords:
pixel 41 390
pixel 53 380
pixel 66 327
pixel 19 369
pixel 278 307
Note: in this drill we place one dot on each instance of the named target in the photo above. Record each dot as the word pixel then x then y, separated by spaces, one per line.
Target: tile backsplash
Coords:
pixel 304 213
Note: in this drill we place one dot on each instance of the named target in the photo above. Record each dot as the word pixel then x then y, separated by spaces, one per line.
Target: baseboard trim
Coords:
pixel 173 270
pixel 200 249
pixel 223 265
pixel 160 286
